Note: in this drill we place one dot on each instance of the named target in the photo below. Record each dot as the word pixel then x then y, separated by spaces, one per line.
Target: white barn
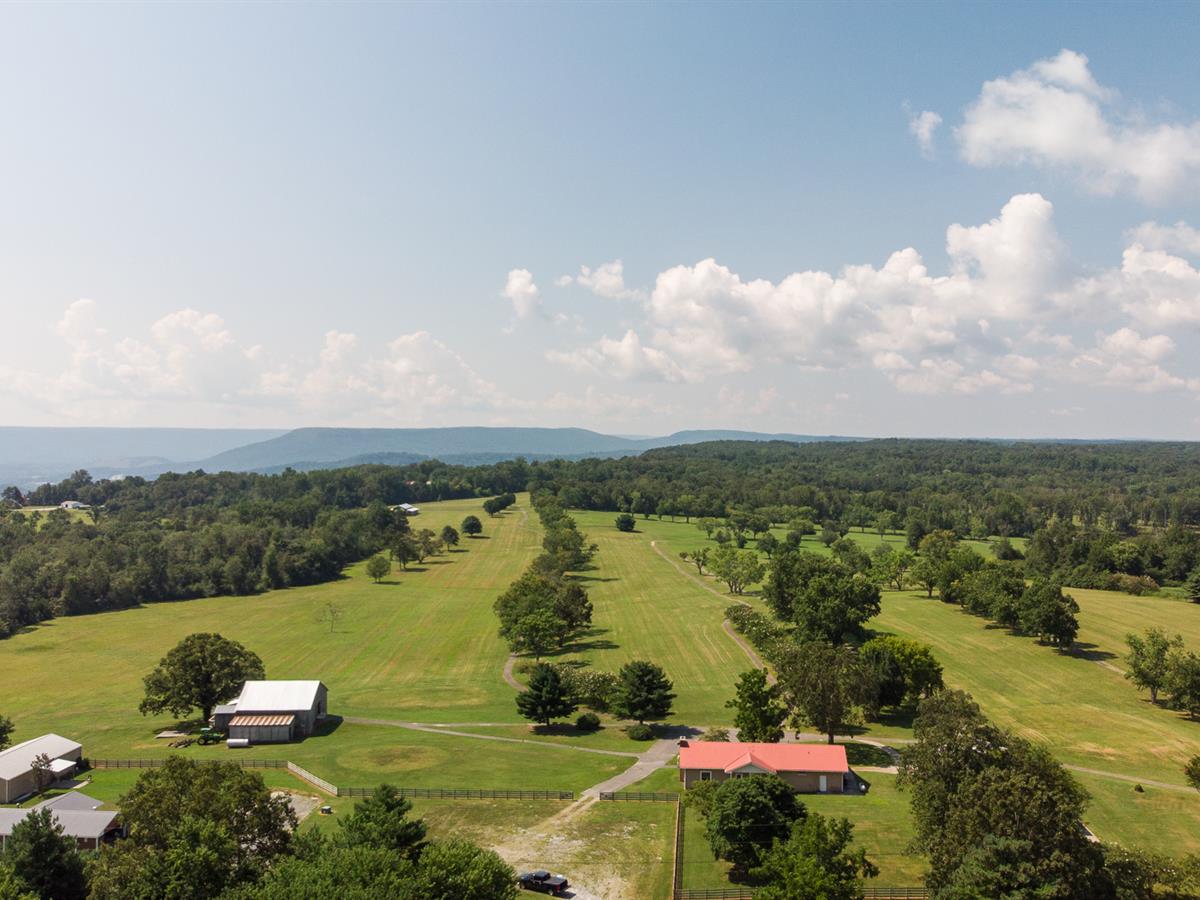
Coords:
pixel 17 775
pixel 273 711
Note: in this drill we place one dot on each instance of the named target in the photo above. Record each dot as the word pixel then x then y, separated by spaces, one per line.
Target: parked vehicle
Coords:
pixel 543 881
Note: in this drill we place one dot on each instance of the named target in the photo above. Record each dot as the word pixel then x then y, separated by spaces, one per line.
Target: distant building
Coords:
pixel 79 815
pixel 72 504
pixel 808 768
pixel 408 509
pixel 17 776
pixel 272 712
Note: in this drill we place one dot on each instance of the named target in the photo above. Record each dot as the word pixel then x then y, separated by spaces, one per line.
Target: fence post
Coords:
pixel 677 875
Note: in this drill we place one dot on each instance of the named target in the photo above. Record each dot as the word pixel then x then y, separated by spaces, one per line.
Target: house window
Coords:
pixel 705 775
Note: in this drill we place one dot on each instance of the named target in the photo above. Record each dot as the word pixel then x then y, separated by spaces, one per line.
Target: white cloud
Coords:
pixel 1055 115
pixel 1177 238
pixel 1125 359
pixel 626 358
pixel 923 125
pixel 524 294
pixel 1005 317
pixel 605 280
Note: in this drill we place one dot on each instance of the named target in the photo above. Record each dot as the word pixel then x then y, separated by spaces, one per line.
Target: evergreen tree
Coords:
pixel 546 697
pixel 643 692
pixel 381 821
pixel 44 859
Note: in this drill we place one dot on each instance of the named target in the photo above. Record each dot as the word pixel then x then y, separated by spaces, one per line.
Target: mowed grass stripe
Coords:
pixel 647 609
pixel 1088 713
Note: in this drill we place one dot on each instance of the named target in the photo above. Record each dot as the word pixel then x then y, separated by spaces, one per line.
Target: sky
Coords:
pixel 909 219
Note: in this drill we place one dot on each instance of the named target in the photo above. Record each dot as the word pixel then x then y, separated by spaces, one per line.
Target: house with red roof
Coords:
pixel 808 768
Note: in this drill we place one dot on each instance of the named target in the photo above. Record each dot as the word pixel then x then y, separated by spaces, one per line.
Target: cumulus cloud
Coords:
pixel 626 358
pixel 923 125
pixel 1003 318
pixel 524 294
pixel 191 361
pixel 605 280
pixel 1055 115
pixel 1125 359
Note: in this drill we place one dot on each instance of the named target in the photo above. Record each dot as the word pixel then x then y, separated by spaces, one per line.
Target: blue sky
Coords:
pixel 280 215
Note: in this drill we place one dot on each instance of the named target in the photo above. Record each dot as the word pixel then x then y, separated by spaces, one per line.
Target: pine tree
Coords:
pixel 546 698
pixel 643 692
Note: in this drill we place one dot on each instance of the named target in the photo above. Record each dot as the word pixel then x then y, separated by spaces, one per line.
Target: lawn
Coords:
pixel 1078 704
pixel 421 646
pixel 882 826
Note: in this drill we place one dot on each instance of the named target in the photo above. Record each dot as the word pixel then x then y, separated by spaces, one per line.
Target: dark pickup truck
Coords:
pixel 543 881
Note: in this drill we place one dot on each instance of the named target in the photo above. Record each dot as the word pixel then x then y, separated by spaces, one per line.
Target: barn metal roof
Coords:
pixel 260 721
pixel 277 696
pixel 15 761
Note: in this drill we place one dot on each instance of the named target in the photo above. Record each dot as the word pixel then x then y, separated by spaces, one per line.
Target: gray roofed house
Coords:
pixel 79 815
pixel 17 776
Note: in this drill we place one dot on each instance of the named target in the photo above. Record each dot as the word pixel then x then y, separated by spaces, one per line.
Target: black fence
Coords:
pixel 462 794
pixel 745 893
pixel 161 761
pixel 659 796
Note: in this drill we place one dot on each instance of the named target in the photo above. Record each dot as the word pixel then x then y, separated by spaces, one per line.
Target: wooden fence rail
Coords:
pixel 747 893
pixel 661 796
pixel 463 794
pixel 244 762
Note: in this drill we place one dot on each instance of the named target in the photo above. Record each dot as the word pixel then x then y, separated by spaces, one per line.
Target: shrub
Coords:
pixel 1132 584
pixel 715 734
pixel 625 522
pixel 640 732
pixel 587 722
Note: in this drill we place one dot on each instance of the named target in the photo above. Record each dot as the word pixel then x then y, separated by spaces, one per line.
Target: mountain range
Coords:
pixel 30 456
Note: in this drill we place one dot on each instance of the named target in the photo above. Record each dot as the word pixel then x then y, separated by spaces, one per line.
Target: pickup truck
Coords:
pixel 543 881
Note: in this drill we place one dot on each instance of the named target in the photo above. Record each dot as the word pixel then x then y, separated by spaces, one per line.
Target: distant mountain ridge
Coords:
pixel 31 455
pixel 319 447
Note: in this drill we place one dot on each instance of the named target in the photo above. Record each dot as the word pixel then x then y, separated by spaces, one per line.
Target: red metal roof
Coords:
pixel 260 721
pixel 728 756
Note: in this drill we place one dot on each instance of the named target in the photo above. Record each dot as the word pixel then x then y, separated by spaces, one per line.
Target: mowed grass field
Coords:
pixel 422 646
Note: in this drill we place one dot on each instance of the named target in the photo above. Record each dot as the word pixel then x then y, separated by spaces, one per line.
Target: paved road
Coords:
pixel 659 754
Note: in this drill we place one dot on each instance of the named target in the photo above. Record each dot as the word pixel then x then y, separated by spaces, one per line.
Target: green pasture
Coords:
pixel 882 826
pixel 1079 704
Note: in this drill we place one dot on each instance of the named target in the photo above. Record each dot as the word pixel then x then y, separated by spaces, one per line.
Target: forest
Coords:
pixel 1105 515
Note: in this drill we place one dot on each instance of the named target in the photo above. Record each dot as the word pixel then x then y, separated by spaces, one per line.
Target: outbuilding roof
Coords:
pixel 17 760
pixel 277 696
pixel 79 815
pixel 730 756
pixel 260 721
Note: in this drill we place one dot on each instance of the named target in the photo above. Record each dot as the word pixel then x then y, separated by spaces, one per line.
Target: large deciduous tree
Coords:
pixel 758 714
pixel 1148 657
pixel 824 685
pixel 643 692
pixel 471 526
pixel 745 816
pixel 816 862
pixel 201 671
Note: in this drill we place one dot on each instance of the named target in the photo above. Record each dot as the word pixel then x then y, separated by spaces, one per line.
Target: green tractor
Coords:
pixel 210 736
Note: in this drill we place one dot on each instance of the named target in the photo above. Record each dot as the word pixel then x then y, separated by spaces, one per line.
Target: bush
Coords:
pixel 587 722
pixel 715 734
pixel 1132 584
pixel 640 732
pixel 625 522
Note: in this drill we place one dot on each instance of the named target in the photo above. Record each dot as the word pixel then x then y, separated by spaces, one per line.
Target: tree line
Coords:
pixel 207 830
